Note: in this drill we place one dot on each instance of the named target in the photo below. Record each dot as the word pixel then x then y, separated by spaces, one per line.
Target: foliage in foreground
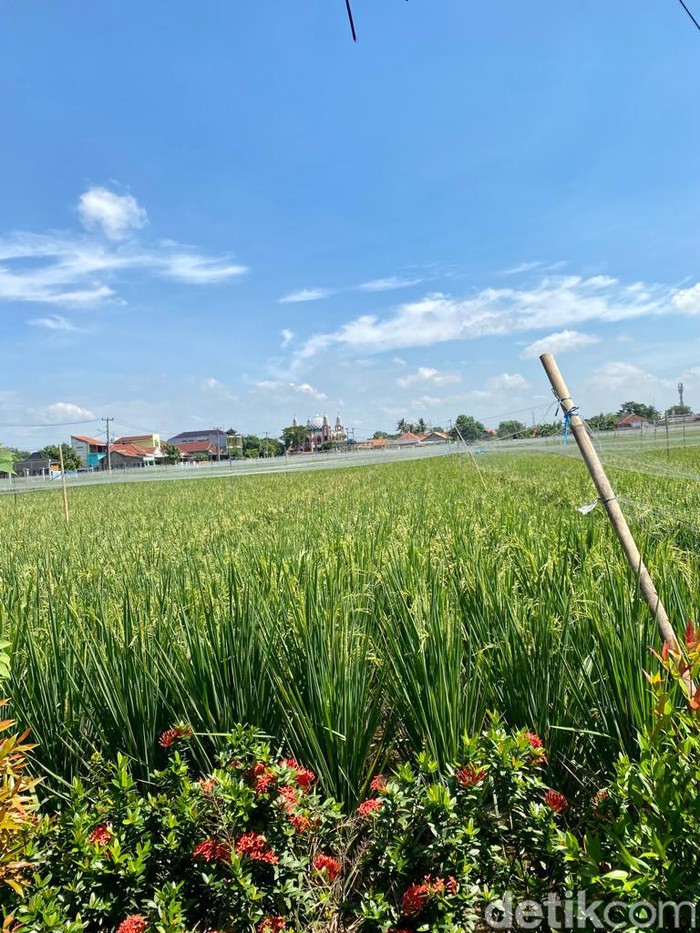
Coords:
pixel 252 846
pixel 16 805
pixel 642 844
pixel 243 848
pixel 437 850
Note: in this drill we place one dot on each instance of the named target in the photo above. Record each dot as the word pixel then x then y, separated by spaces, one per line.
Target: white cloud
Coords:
pixel 616 376
pixel 194 269
pixel 557 301
pixel 560 342
pixel 306 294
pixel 71 272
pixel 280 387
pixel 509 381
pixel 79 270
pixel 114 214
pixel 522 267
pixel 287 336
pixel 426 401
pixel 687 300
pixel 67 411
pixel 53 322
pixel 426 374
pixel 399 361
pixel 388 284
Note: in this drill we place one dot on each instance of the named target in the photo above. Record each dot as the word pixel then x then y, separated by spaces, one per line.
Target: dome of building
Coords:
pixel 315 423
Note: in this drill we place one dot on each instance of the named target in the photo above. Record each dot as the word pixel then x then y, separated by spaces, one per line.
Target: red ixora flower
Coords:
pixel 272 925
pixel 300 823
pixel 171 735
pixel 303 777
pixel 289 798
pixel 135 923
pixel 368 807
pixel 556 801
pixel 212 851
pixel 378 783
pixel 254 847
pixel 326 863
pixel 207 785
pixel 468 776
pixel 416 896
pixel 534 740
pixel 262 776
pixel 100 835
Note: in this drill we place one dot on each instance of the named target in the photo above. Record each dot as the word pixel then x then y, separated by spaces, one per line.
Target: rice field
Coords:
pixel 355 616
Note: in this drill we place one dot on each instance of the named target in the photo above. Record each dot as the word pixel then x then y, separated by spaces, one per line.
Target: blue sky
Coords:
pixel 230 214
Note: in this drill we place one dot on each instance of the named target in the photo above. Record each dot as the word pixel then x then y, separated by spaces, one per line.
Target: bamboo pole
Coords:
pixel 609 500
pixel 63 483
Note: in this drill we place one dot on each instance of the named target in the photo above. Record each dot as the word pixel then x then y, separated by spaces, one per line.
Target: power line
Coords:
pixel 53 424
pixel 692 18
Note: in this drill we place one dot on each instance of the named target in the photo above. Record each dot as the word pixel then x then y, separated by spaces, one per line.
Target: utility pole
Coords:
pixel 267 445
pixel 109 455
pixel 609 499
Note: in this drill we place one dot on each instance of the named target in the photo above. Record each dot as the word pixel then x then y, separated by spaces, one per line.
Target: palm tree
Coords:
pixel 421 426
pixel 402 426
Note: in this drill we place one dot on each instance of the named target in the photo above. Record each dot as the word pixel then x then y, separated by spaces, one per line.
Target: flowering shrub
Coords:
pixel 16 806
pixel 643 829
pixel 247 847
pixel 437 849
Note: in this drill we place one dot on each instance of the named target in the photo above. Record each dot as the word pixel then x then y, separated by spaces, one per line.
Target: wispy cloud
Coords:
pixel 306 294
pixel 555 301
pixel 522 267
pixel 53 322
pixel 280 387
pixel 388 284
pixel 82 269
pixel 560 342
pixel 427 375
pixel 618 377
pixel 509 381
pixel 287 337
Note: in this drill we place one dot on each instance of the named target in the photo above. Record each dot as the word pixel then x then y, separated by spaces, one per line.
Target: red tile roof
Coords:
pixel 195 447
pixel 92 441
pixel 633 419
pixel 128 450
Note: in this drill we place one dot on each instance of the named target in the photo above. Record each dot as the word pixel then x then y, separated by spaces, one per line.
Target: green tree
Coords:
pixel 378 435
pixel 603 421
pixel 293 437
pixel 680 410
pixel 404 427
pixel 639 408
pixel 421 426
pixel 511 429
pixel 71 460
pixel 171 453
pixel 467 429
pixel 548 429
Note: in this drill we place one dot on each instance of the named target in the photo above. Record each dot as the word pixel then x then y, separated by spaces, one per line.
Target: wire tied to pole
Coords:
pixel 567 421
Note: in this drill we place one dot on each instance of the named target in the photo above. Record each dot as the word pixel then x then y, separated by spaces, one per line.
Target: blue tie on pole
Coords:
pixel 567 421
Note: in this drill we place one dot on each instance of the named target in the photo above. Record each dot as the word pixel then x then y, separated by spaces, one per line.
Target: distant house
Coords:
pixel 150 443
pixel 213 436
pixel 435 437
pixel 191 450
pixel 632 421
pixel 90 450
pixel 492 432
pixel 408 439
pixel 37 465
pixel 128 456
